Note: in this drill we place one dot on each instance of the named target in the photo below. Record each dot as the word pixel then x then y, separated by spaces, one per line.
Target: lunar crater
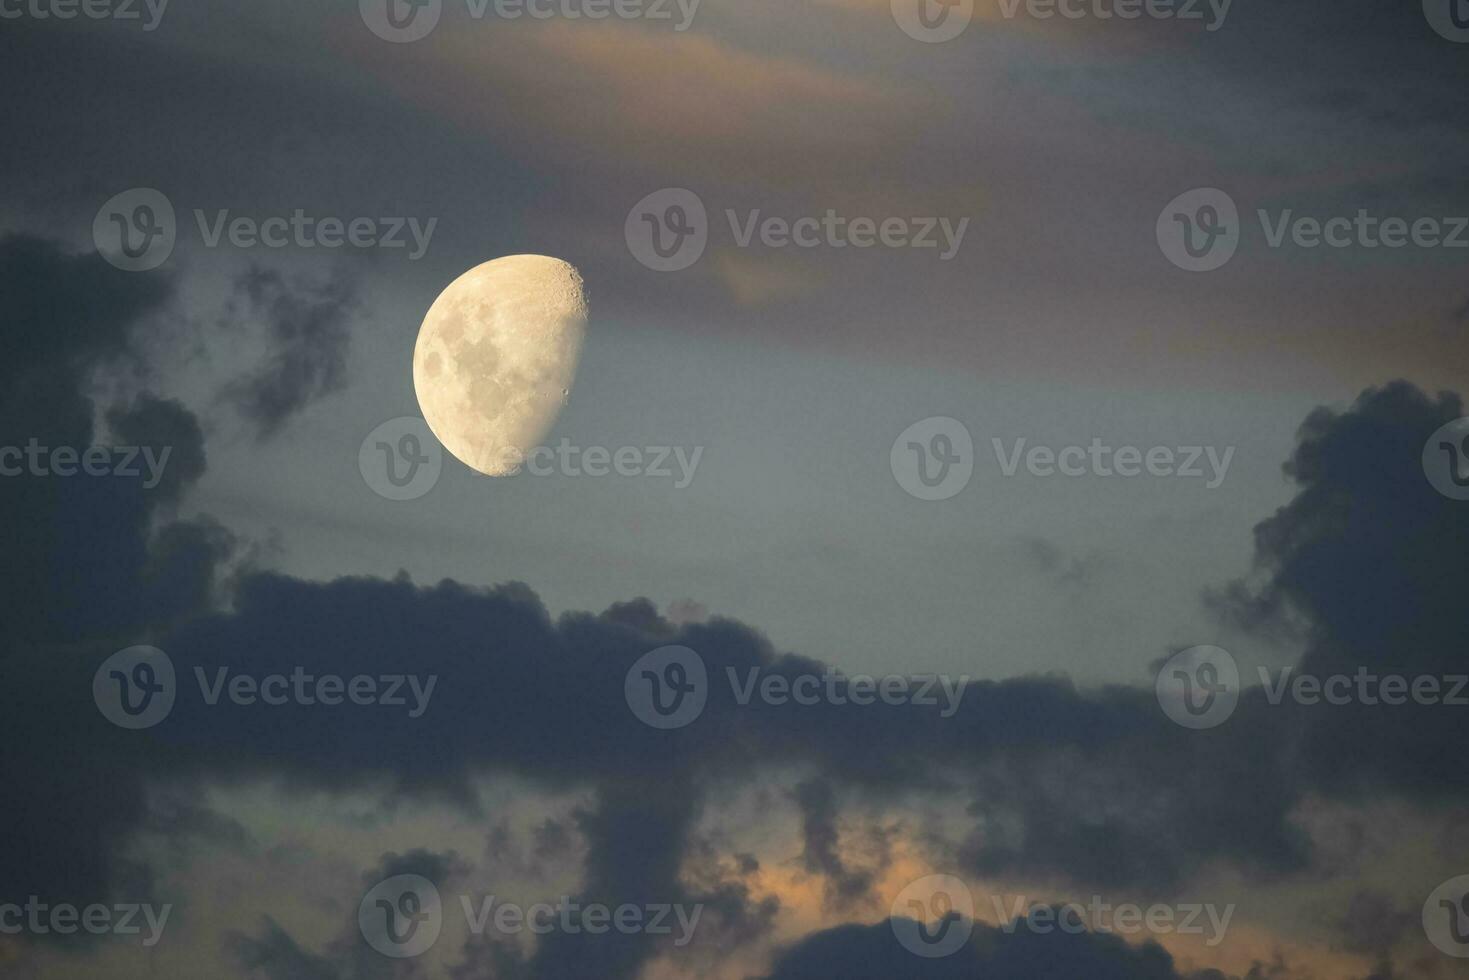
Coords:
pixel 496 357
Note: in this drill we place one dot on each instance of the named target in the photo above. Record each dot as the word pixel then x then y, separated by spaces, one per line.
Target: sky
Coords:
pixel 1081 380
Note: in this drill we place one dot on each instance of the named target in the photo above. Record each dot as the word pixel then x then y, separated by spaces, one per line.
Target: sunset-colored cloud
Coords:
pixel 618 96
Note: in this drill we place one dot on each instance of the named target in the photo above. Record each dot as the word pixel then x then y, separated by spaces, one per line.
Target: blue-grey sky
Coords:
pixel 1166 236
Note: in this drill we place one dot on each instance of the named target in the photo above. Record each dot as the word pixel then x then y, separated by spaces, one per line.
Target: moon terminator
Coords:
pixel 496 357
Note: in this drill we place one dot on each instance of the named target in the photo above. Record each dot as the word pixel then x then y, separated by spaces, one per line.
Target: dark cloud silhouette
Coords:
pixel 88 561
pixel 859 952
pixel 1374 924
pixel 1369 555
pixel 1091 786
pixel 822 854
pixel 274 955
pixel 308 335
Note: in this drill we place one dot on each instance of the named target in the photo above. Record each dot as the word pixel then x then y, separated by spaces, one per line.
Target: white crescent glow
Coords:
pixel 496 356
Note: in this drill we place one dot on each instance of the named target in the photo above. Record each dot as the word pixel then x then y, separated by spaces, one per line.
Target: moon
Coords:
pixel 496 357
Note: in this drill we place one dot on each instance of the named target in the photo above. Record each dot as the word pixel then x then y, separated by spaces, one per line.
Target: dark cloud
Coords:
pixel 86 562
pixel 1090 786
pixel 1368 554
pixel 164 424
pixel 858 952
pixel 1063 568
pixel 636 836
pixel 308 334
pixel 822 854
pixel 274 955
pixel 1374 924
pixel 552 838
pixel 64 314
pixel 79 558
